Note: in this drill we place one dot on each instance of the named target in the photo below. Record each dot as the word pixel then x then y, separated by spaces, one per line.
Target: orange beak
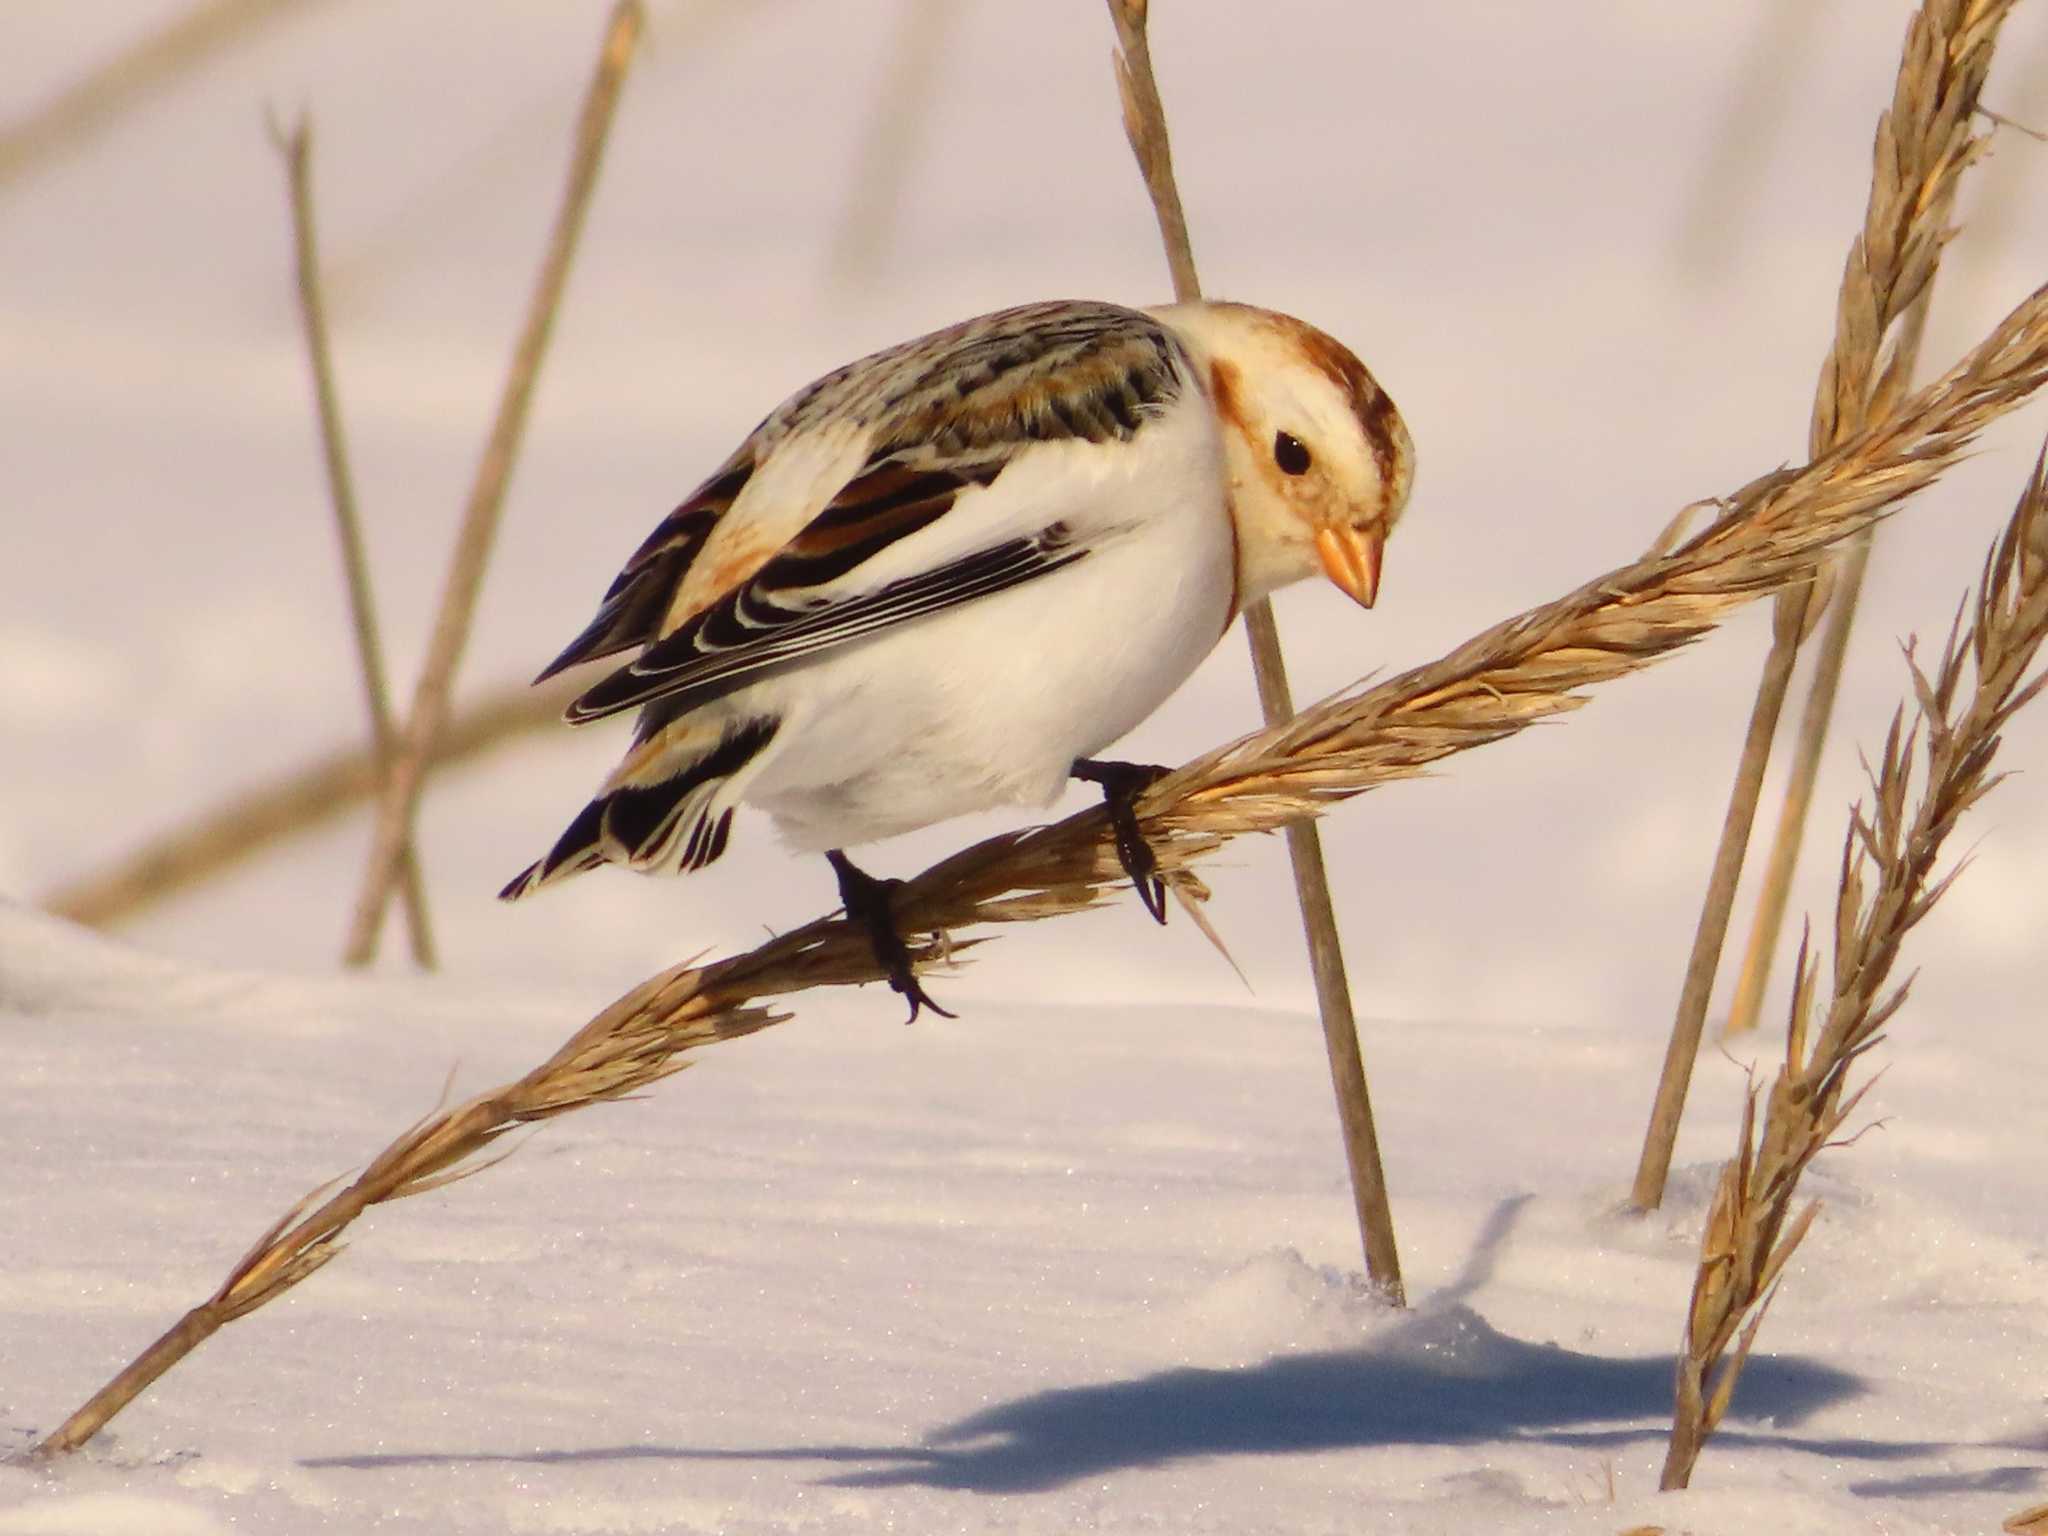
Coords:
pixel 1351 559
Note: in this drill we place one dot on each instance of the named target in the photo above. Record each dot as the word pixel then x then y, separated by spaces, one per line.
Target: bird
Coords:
pixel 942 578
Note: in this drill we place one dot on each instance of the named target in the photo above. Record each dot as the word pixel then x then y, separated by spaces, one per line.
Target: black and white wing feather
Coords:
pixel 938 418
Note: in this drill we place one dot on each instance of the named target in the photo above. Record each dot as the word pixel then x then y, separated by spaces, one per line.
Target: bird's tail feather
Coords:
pixel 668 808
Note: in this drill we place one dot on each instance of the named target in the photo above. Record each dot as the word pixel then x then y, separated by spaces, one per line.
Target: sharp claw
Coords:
pixel 1121 784
pixel 1153 894
pixel 867 902
pixel 1140 863
pixel 919 998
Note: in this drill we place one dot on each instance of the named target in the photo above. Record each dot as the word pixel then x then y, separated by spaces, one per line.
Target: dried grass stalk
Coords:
pixel 1774 892
pixel 1525 669
pixel 1925 141
pixel 218 838
pixel 296 146
pixel 398 805
pixel 1887 885
pixel 1145 128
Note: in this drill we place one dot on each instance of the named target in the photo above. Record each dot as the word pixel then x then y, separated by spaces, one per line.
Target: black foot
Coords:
pixel 1122 783
pixel 866 900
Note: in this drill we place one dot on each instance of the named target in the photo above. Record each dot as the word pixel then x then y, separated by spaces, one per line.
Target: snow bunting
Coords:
pixel 941 578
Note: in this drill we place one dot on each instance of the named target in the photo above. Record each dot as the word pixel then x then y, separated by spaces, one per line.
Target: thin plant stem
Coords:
pixel 1145 125
pixel 1804 771
pixel 209 844
pixel 1926 139
pixel 1684 1044
pixel 399 804
pixel 1532 666
pixel 297 148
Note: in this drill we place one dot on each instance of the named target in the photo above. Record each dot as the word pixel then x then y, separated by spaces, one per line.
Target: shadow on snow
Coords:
pixel 1444 1377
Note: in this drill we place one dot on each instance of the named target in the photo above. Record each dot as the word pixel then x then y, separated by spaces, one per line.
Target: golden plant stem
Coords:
pixel 1371 1201
pixel 92 103
pixel 1524 669
pixel 1845 592
pixel 173 1345
pixel 1668 1108
pixel 1750 1231
pixel 297 149
pixel 1776 892
pixel 210 844
pixel 1145 125
pixel 398 806
pixel 1925 141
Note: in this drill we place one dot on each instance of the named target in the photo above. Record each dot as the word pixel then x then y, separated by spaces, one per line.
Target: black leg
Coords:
pixel 1122 783
pixel 866 900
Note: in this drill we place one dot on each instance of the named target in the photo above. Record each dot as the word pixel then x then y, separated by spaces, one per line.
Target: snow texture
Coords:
pixel 1084 1259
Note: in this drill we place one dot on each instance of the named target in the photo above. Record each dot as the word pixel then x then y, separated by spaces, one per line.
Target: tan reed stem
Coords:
pixel 214 841
pixel 1750 1230
pixel 1925 141
pixel 2031 1521
pixel 1775 893
pixel 91 103
pixel 1522 670
pixel 399 804
pixel 297 149
pixel 1698 985
pixel 1145 126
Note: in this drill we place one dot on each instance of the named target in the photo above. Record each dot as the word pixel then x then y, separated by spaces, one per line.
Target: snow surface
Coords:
pixel 1082 1260
pixel 1045 1268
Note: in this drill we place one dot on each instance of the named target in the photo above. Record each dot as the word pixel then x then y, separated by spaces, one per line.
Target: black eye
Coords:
pixel 1290 453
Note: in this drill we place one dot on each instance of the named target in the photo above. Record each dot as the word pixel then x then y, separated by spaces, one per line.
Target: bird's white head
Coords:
pixel 1318 459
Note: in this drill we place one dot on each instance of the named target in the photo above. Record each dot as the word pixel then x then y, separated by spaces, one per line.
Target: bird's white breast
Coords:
pixel 989 703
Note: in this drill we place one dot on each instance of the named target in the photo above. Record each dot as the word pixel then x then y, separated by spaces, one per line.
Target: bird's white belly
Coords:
pixel 989 704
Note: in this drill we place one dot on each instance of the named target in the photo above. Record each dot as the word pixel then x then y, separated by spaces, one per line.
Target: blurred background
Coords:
pixel 1592 249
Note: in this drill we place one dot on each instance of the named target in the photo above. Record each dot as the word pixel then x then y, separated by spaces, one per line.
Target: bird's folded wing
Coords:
pixel 639 597
pixel 921 422
pixel 779 620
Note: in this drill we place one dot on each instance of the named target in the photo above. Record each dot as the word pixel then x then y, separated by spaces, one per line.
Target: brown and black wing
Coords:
pixel 797 605
pixel 945 414
pixel 636 605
